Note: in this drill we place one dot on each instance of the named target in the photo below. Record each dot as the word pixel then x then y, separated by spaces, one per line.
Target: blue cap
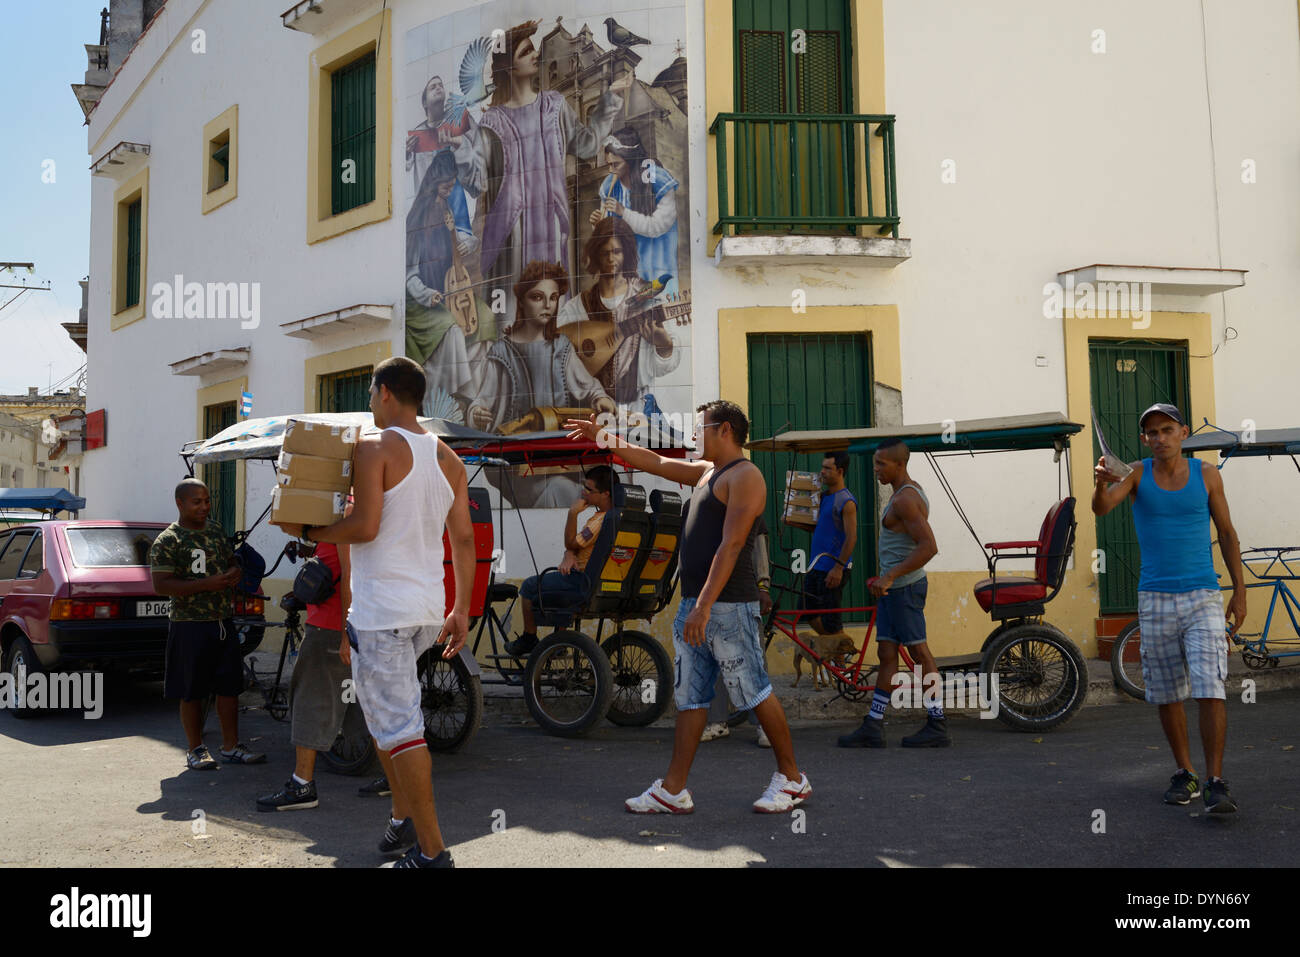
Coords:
pixel 1166 409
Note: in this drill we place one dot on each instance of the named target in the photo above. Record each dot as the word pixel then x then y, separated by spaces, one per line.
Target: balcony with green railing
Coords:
pixel 827 175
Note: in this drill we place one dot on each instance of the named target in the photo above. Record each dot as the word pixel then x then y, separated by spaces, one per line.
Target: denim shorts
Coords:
pixel 384 674
pixel 900 614
pixel 731 646
pixel 1184 649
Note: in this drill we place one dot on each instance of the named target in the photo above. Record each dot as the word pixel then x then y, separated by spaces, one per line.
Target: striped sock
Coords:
pixel 879 702
pixel 936 713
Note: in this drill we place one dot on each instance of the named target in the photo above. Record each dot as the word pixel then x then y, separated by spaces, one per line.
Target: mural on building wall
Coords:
pixel 547 246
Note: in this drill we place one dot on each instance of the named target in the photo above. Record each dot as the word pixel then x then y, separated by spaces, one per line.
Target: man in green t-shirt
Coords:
pixel 192 562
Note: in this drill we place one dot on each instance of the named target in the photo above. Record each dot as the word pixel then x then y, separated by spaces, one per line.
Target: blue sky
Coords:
pixel 41 54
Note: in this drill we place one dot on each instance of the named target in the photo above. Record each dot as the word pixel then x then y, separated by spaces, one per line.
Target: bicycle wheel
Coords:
pixel 1042 677
pixel 1126 662
pixel 642 675
pixel 568 683
pixel 353 752
pixel 451 698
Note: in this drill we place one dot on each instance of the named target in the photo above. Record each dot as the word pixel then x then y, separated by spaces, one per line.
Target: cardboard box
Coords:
pixel 314 472
pixel 802 499
pixel 800 517
pixel 320 439
pixel 303 506
pixel 806 481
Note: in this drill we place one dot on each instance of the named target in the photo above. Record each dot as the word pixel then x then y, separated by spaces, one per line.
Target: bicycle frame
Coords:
pixel 1278 586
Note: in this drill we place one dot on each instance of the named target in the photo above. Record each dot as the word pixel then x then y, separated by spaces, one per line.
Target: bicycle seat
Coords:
pixel 502 591
pixel 290 602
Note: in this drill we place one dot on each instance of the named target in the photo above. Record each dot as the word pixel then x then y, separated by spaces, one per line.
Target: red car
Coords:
pixel 77 595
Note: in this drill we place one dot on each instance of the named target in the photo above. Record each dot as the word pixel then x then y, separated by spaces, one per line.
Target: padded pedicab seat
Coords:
pixel 1010 590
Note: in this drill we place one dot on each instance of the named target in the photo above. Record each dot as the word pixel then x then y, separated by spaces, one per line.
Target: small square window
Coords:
pixel 220 176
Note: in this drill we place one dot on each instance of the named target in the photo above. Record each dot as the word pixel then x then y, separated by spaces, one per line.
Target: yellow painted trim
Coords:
pixel 136 186
pixel 867 22
pixel 368 355
pixel 323 61
pixel 735 324
pixel 227 122
pixel 229 391
pixel 1192 329
pixel 719 93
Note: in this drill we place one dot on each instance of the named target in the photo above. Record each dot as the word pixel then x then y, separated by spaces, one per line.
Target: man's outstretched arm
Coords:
pixel 675 470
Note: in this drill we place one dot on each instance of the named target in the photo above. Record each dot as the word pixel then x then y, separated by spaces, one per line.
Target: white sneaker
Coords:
pixel 714 731
pixel 762 738
pixel 655 800
pixel 782 794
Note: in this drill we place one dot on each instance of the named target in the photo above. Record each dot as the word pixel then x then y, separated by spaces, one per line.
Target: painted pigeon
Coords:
pixel 621 36
pixel 473 89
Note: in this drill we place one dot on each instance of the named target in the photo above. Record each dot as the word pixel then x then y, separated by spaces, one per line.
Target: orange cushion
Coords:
pixel 1010 591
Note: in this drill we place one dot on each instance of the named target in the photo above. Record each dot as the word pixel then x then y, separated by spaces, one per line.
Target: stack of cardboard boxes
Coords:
pixel 314 473
pixel 802 499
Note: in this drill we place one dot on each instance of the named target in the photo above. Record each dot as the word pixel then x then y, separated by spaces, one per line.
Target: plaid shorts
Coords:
pixel 1184 651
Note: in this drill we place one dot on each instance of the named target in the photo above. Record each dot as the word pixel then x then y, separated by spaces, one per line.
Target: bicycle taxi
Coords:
pixel 1271 567
pixel 570 680
pixel 1042 676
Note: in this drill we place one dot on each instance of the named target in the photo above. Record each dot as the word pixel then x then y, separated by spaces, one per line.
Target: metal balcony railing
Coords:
pixel 806 173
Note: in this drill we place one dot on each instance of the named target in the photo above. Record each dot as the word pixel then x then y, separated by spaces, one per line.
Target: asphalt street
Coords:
pixel 113 792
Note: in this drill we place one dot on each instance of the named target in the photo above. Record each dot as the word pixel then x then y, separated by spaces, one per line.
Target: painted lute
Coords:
pixel 596 341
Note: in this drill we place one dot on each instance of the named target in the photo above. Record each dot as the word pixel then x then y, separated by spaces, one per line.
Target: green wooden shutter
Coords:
pixel 813 381
pixel 131 280
pixel 1127 378
pixel 352 132
pixel 346 391
pixel 220 476
pixel 794 168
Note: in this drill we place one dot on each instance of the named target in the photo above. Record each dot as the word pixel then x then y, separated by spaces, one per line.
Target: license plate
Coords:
pixel 153 609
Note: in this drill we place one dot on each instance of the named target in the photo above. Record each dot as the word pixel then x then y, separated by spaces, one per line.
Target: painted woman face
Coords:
pixel 542 302
pixel 526 56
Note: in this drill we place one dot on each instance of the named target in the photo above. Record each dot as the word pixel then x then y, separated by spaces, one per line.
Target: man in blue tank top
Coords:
pixel 833 542
pixel 1180 609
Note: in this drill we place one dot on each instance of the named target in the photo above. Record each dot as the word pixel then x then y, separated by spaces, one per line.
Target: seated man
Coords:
pixel 567 587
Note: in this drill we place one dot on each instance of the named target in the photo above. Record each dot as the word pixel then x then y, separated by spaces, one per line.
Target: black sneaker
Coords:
pixel 871 734
pixel 398 837
pixel 934 734
pixel 376 788
pixel 1183 787
pixel 522 646
pixel 292 797
pixel 1217 798
pixel 413 858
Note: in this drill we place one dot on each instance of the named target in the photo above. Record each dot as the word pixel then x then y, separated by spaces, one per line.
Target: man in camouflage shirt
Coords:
pixel 192 562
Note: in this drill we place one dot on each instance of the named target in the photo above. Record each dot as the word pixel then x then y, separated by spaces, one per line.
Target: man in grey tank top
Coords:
pixel 906 543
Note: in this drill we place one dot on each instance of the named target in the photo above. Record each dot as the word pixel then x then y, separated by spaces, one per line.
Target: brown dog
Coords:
pixel 836 648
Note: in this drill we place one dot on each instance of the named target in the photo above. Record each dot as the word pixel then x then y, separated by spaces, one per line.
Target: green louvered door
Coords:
pixel 813 381
pixel 1127 379
pixel 793 59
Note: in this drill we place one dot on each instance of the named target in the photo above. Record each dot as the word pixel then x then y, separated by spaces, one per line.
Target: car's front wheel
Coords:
pixel 21 664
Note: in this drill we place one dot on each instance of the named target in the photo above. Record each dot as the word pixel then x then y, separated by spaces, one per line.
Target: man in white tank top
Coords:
pixel 407 487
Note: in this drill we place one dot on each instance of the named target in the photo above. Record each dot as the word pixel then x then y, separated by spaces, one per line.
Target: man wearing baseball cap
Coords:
pixel 1180 609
